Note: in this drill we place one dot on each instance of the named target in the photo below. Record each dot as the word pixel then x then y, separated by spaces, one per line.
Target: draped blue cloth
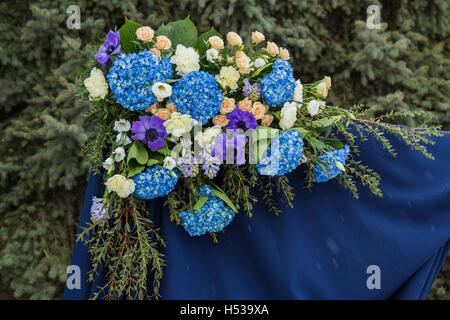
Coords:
pixel 321 248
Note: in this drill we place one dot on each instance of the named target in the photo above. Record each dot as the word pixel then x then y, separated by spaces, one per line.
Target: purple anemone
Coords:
pixel 109 48
pixel 150 131
pixel 240 119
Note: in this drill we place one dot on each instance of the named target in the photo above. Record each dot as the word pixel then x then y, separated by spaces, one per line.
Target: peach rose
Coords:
pixel 145 34
pixel 258 110
pixel 272 48
pixel 234 39
pixel 245 104
pixel 220 120
pixel 257 37
pixel 171 107
pixel 267 120
pixel 242 62
pixel 163 43
pixel 284 54
pixel 228 105
pixel 163 113
pixel 216 42
pixel 156 52
pixel 152 109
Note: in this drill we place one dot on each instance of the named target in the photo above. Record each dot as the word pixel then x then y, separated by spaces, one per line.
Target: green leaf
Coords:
pixel 200 203
pixel 128 36
pixel 225 199
pixel 134 168
pixel 152 162
pixel 138 152
pixel 335 143
pixel 303 132
pixel 180 32
pixel 201 45
pixel 263 69
pixel 326 122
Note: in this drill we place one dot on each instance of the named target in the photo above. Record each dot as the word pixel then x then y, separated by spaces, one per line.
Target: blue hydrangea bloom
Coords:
pixel 278 86
pixel 213 217
pixel 198 95
pixel 132 75
pixel 283 155
pixel 328 170
pixel 154 182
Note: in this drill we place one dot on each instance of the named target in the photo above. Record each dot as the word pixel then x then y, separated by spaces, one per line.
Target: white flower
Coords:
pixel 340 166
pixel 259 63
pixel 314 106
pixel 207 139
pixel 122 125
pixel 179 124
pixel 186 60
pixel 169 163
pixel 228 77
pixel 120 185
pixel 96 84
pixel 212 54
pixel 288 115
pixel 119 154
pixel 162 90
pixel 122 139
pixel 298 92
pixel 324 86
pixel 108 163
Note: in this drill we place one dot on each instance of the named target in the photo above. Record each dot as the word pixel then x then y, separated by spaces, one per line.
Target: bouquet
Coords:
pixel 209 125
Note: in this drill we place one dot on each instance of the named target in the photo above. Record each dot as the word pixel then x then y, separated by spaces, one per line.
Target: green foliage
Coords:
pixel 403 67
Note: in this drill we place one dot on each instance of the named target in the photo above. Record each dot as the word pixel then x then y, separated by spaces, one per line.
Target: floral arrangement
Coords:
pixel 209 125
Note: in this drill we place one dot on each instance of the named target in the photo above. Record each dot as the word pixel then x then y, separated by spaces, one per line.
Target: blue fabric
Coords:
pixel 321 248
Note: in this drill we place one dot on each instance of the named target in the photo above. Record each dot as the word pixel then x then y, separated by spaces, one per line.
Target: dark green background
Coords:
pixel 404 66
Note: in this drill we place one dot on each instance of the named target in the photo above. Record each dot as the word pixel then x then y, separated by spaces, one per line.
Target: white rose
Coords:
pixel 120 185
pixel 288 115
pixel 122 125
pixel 96 84
pixel 119 154
pixel 108 163
pixel 186 60
pixel 228 77
pixel 314 107
pixel 212 54
pixel 179 124
pixel 298 92
pixel 162 90
pixel 324 86
pixel 169 163
pixel 123 139
pixel 259 63
pixel 207 139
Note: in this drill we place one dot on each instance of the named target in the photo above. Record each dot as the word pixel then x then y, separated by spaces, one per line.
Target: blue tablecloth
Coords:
pixel 321 248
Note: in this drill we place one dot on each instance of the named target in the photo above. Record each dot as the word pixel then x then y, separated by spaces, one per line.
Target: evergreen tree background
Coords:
pixel 403 66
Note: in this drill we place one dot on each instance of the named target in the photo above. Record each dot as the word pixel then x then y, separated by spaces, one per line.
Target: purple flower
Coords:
pixel 252 91
pixel 109 48
pixel 240 119
pixel 230 147
pixel 149 130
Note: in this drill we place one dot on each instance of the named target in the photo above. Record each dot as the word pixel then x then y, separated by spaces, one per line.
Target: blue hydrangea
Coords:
pixel 283 155
pixel 278 86
pixel 132 75
pixel 328 168
pixel 198 95
pixel 154 182
pixel 213 217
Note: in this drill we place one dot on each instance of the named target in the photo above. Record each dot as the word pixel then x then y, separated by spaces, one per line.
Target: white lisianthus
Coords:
pixel 122 125
pixel 314 107
pixel 212 55
pixel 108 163
pixel 259 63
pixel 120 185
pixel 288 115
pixel 96 84
pixel 324 86
pixel 228 77
pixel 298 92
pixel 169 163
pixel 119 154
pixel 179 124
pixel 206 139
pixel 162 90
pixel 122 139
pixel 186 60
